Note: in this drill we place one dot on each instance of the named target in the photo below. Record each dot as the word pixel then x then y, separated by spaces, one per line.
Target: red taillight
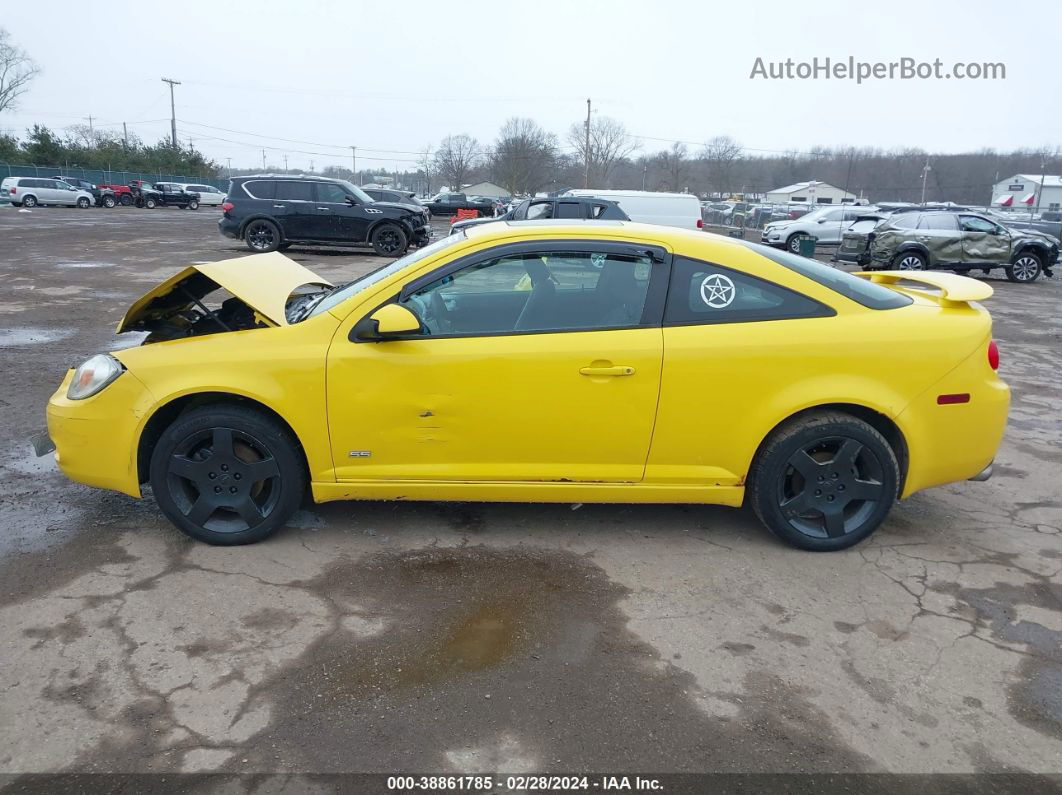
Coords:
pixel 13 189
pixel 993 355
pixel 226 206
pixel 700 223
pixel 948 400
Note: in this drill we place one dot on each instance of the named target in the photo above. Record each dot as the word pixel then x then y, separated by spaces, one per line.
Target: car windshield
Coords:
pixel 342 292
pixel 361 195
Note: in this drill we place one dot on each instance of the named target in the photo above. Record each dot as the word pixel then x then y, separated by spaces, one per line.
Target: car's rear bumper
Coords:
pixel 96 439
pixel 229 228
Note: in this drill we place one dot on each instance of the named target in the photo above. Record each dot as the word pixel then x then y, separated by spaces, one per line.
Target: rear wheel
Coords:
pixel 389 240
pixel 909 261
pixel 83 203
pixel 824 482
pixel 227 475
pixel 261 236
pixel 126 200
pixel 1025 269
pixel 108 202
pixel 29 201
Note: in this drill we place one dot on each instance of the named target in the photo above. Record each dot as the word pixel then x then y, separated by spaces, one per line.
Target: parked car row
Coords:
pixel 75 192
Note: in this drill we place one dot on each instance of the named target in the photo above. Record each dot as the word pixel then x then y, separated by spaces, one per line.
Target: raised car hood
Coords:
pixel 264 282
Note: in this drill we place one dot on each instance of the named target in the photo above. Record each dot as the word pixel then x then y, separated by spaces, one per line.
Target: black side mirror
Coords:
pixel 350 200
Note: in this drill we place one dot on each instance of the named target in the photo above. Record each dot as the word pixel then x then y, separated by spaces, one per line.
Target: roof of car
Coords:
pixel 315 177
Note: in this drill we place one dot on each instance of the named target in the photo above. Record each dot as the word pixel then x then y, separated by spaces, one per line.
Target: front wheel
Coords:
pixel 193 205
pixel 793 243
pixel 262 236
pixel 824 482
pixel 1025 269
pixel 151 204
pixel 227 475
pixel 126 200
pixel 389 240
pixel 108 202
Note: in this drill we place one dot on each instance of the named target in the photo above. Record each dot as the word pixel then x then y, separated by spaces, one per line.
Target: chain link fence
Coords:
pixel 107 177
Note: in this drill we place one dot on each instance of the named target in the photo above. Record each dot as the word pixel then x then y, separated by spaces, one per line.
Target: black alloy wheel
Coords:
pixel 227 475
pixel 824 482
pixel 262 236
pixel 388 240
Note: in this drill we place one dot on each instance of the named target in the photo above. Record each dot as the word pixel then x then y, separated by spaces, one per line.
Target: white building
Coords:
pixel 811 192
pixel 488 189
pixel 1029 190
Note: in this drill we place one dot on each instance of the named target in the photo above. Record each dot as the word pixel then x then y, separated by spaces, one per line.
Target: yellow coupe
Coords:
pixel 543 362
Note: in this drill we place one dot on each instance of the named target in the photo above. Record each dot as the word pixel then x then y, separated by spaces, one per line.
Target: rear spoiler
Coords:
pixel 955 290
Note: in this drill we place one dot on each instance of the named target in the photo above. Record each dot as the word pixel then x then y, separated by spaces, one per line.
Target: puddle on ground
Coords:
pixel 88 264
pixel 32 335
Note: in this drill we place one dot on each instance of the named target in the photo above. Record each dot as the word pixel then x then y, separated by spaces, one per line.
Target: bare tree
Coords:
pixel 457 156
pixel 425 162
pixel 609 145
pixel 17 69
pixel 675 164
pixel 523 156
pixel 722 154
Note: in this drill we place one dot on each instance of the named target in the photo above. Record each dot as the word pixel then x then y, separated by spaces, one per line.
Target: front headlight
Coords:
pixel 93 376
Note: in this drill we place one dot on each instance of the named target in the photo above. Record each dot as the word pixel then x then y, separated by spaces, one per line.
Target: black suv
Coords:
pixel 270 212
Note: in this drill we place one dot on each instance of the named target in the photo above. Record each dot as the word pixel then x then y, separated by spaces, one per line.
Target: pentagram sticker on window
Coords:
pixel 717 291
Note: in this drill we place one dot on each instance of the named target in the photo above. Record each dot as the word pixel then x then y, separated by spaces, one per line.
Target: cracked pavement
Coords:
pixel 515 638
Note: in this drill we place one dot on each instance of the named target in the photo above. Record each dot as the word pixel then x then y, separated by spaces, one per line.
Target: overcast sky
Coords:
pixel 397 77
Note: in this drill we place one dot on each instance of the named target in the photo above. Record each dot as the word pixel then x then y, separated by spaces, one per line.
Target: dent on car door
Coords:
pixel 938 234
pixel 983 240
pixel 538 362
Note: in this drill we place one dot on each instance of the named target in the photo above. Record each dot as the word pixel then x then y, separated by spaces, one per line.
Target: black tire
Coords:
pixel 29 201
pixel 83 203
pixel 150 204
pixel 227 475
pixel 1026 268
pixel 803 481
pixel 389 240
pixel 261 236
pixel 792 243
pixel 126 200
pixel 193 205
pixel 108 202
pixel 909 261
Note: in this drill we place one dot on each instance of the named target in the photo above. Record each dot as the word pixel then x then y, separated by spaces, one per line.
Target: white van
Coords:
pixel 648 207
pixel 31 191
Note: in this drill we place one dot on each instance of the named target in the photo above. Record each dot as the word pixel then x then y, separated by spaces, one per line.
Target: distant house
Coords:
pixel 811 192
pixel 486 189
pixel 1029 190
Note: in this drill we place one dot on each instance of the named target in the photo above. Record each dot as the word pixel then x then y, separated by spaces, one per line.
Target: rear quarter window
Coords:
pixel 260 189
pixel 704 293
pixel 870 295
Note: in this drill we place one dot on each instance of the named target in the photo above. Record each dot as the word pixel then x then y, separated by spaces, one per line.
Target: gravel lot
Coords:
pixel 442 637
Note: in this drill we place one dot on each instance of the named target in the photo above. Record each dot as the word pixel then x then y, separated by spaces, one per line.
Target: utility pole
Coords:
pixel 89 119
pixel 925 172
pixel 173 110
pixel 586 150
pixel 263 160
pixel 1043 180
pixel 311 166
pixel 645 168
pixel 125 136
pixel 228 161
pixel 354 164
pixel 285 164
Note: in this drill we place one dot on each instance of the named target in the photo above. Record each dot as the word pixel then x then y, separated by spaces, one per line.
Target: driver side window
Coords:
pixel 535 292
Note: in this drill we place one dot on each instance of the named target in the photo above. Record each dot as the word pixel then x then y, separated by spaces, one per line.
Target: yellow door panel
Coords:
pixel 574 406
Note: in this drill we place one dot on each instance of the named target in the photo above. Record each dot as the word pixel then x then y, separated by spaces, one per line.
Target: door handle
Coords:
pixel 617 370
pixel 281 206
pixel 324 209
